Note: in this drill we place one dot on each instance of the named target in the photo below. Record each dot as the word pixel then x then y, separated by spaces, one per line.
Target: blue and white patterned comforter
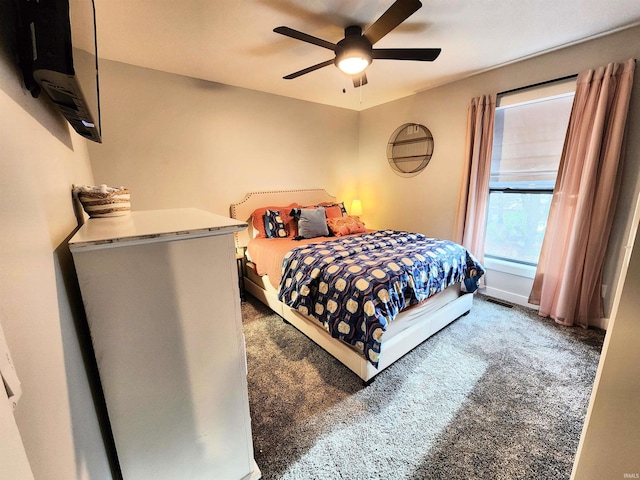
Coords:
pixel 356 285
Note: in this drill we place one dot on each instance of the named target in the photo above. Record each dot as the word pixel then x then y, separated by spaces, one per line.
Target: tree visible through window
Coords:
pixel 529 132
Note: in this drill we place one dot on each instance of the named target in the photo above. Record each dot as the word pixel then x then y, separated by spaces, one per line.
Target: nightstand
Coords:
pixel 240 266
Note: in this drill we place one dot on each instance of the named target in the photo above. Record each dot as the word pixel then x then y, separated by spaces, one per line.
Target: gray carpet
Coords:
pixel 499 394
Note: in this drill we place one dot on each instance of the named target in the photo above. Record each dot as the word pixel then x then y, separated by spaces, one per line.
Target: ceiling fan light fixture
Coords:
pixel 353 65
pixel 353 61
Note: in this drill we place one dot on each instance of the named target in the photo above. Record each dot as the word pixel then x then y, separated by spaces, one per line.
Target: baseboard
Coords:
pixel 508 297
pixel 601 323
pixel 521 300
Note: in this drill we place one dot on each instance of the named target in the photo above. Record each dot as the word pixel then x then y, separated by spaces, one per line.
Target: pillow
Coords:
pixel 274 227
pixel 312 222
pixel 257 220
pixel 345 226
pixel 334 210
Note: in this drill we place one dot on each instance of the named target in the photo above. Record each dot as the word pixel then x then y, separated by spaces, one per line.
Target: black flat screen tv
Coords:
pixel 58 55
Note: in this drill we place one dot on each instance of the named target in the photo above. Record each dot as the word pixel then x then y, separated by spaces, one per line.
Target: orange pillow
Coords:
pixel 333 210
pixel 345 226
pixel 257 218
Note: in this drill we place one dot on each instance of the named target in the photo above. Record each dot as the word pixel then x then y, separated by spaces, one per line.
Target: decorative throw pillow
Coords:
pixel 257 220
pixel 312 222
pixel 334 210
pixel 274 226
pixel 345 226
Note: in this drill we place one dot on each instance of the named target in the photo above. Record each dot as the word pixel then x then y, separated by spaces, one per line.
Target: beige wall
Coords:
pixel 176 141
pixel 427 203
pixel 39 302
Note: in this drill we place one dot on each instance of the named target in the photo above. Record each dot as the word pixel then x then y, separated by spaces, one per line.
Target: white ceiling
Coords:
pixel 232 41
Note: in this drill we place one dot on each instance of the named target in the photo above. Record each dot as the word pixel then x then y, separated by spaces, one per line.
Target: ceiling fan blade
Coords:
pixel 420 54
pixel 359 80
pixel 290 32
pixel 308 70
pixel 394 16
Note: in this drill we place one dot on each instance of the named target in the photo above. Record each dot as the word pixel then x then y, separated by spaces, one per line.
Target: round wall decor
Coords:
pixel 409 149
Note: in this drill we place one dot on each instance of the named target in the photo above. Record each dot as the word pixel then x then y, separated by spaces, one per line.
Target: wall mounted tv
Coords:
pixel 58 55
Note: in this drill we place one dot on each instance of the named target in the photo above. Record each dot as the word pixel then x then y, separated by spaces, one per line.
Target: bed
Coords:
pixel 273 273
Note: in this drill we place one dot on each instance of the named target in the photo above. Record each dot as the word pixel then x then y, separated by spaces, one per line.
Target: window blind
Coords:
pixel 529 136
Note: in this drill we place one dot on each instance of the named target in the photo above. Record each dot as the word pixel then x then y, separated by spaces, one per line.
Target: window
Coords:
pixel 529 131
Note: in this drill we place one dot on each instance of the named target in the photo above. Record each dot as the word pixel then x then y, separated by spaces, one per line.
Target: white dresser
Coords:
pixel 160 290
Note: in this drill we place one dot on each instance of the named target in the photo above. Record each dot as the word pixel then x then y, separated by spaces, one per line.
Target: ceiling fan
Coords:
pixel 355 52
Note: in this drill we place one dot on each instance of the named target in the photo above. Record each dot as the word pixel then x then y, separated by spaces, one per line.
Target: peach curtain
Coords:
pixel 567 283
pixel 474 194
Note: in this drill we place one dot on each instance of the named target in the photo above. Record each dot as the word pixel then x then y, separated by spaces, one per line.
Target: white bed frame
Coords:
pixel 423 321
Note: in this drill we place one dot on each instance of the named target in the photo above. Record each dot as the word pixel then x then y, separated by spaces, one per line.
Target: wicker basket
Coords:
pixel 109 204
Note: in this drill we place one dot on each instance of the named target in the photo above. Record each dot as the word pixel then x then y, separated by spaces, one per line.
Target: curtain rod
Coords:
pixel 513 90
